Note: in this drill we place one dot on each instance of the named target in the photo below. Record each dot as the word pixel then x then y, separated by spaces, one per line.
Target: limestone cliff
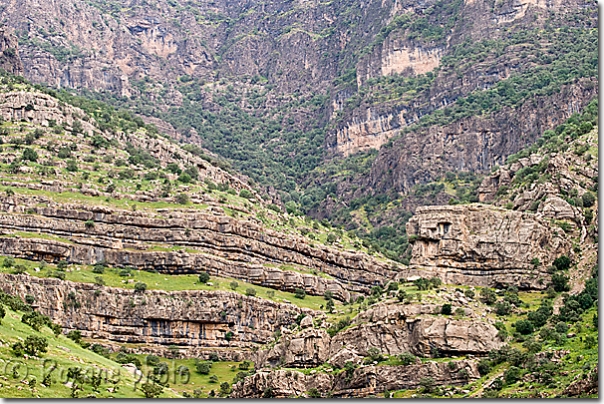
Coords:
pixel 10 60
pixel 482 245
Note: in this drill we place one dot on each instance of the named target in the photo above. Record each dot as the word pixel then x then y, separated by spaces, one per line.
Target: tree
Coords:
pixel 560 282
pixel 152 390
pixel 30 155
pixel 300 293
pixel 72 166
pixel 446 309
pixel 588 199
pixel 2 313
pixel 250 292
pixel 524 327
pixel 244 193
pixel 234 285
pixel 203 367
pixel 562 263
pixel 204 277
pixel 62 265
pixel 401 295
pixel 488 296
pixel 484 367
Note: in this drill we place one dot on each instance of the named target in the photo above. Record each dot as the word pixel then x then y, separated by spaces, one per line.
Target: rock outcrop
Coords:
pixel 364 381
pixel 197 322
pixel 483 246
pixel 10 60
pixel 392 329
pixel 220 245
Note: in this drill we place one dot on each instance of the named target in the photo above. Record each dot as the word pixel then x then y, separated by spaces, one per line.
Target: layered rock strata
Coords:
pixel 364 381
pixel 391 328
pixel 192 320
pixel 218 244
pixel 483 246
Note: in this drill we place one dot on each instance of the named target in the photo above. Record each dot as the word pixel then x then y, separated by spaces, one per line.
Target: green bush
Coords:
pixel 203 368
pixel 588 199
pixel 250 292
pixel 524 327
pixel 300 293
pixel 140 287
pixel 30 155
pixel 446 309
pixel 204 277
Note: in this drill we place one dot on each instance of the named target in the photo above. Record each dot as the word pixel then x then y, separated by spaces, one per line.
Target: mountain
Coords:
pixel 299 199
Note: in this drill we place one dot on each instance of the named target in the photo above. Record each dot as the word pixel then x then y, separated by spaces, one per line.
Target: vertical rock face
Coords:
pixel 193 320
pixel 472 144
pixel 9 52
pixel 483 245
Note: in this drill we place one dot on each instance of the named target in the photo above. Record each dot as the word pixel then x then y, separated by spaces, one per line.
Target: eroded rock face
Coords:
pixel 9 52
pixel 223 245
pixel 364 381
pixel 192 320
pixel 483 246
pixel 391 328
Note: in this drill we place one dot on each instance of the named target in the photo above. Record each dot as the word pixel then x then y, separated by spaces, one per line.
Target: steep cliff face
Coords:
pixel 473 144
pixel 10 60
pixel 481 245
pixel 195 321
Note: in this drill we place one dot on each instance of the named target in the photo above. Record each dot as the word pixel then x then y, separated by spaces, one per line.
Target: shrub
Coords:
pixel 512 375
pixel 2 313
pixel 234 285
pixel 75 336
pixel 446 309
pixel 588 199
pixel 72 166
pixel 407 358
pixel 250 292
pixel 182 198
pixel 213 379
pixel 62 265
pixel 203 368
pixel 244 193
pixel 245 365
pixel 140 287
pixel 152 390
pixel 562 263
pixel 34 345
pixel 503 308
pixel 204 277
pixel 484 366
pixel 30 155
pixel 488 296
pixel 229 335
pixel 98 269
pixel 313 393
pixel 300 293
pixel 89 224
pixel 225 388
pixel 184 178
pixel 560 282
pixel 524 327
pixel 35 320
pixel 8 262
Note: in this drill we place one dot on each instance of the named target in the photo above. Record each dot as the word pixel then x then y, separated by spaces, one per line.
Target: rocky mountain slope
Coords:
pixel 121 246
